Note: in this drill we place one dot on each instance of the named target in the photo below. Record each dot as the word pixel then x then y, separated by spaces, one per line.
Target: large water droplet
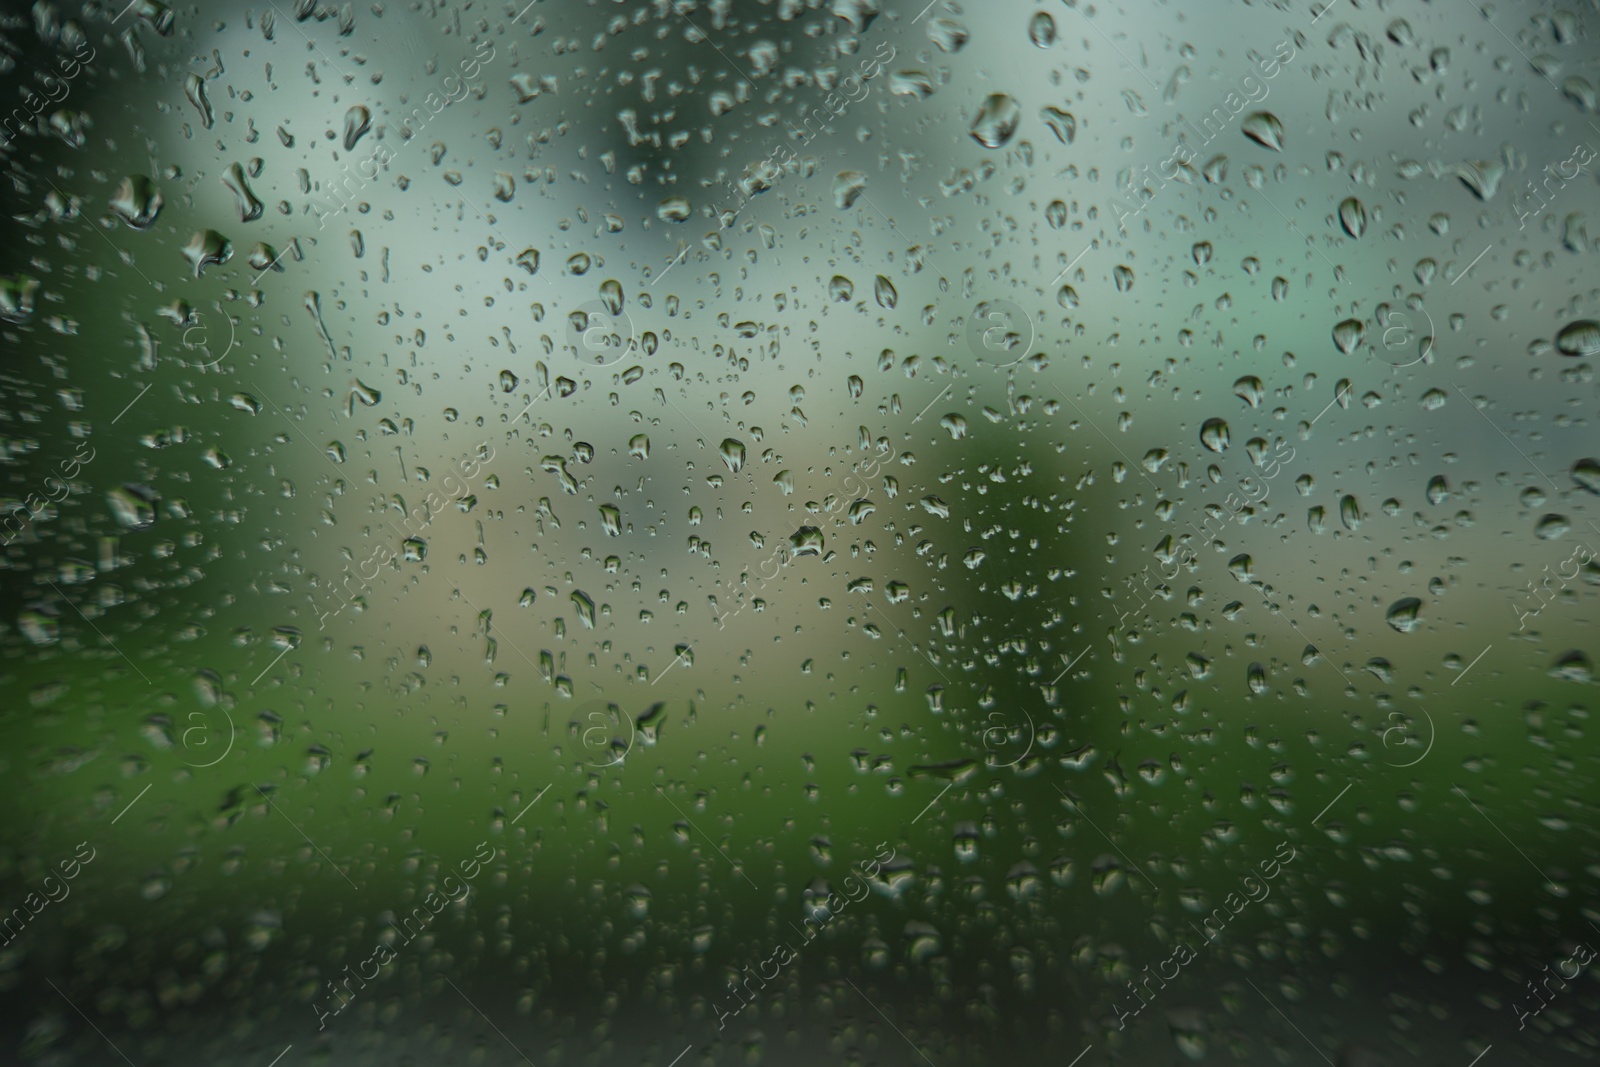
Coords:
pixel 357 121
pixel 1249 389
pixel 1482 177
pixel 806 541
pixel 1264 128
pixel 674 209
pixel 133 506
pixel 1581 338
pixel 206 248
pixel 1061 123
pixel 948 34
pixel 847 186
pixel 137 201
pixel 885 292
pixel 1042 29
pixel 245 201
pixel 1402 615
pixel 996 121
pixel 1350 513
pixel 584 604
pixel 1353 217
pixel 1349 334
pixel 733 454
pixel 195 89
pixel 1586 472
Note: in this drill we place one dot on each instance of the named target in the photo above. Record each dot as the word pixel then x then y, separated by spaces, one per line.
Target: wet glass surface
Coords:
pixel 794 532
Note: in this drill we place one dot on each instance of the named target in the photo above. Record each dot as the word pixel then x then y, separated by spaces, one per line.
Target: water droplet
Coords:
pixel 1581 338
pixel 1349 334
pixel 137 201
pixel 1214 435
pixel 948 34
pixel 195 89
pixel 206 248
pixel 1042 29
pixel 1551 527
pixel 1264 128
pixel 1350 513
pixel 1586 472
pixel 244 199
pixel 1256 678
pixel 1573 666
pixel 1249 389
pixel 1402 615
pixel 847 186
pixel 16 298
pixel 1353 217
pixel 885 293
pixel 133 506
pixel 1482 177
pixel 913 83
pixel 858 13
pixel 1575 233
pixel 357 121
pixel 733 455
pixel 584 604
pixel 806 541
pixel 674 209
pixel 996 121
pixel 1061 123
